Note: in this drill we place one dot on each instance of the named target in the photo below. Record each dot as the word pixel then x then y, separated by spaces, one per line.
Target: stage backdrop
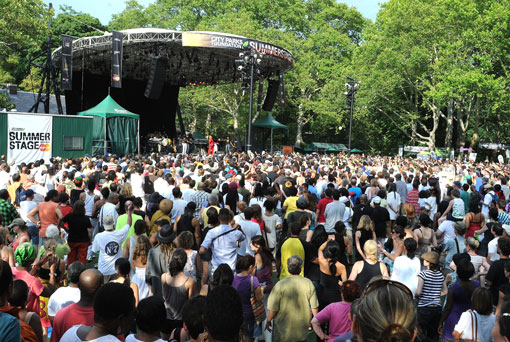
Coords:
pixel 29 140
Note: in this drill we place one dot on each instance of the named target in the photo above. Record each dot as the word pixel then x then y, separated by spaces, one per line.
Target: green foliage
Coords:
pixel 5 102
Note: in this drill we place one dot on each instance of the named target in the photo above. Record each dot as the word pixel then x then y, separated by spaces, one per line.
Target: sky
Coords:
pixel 103 9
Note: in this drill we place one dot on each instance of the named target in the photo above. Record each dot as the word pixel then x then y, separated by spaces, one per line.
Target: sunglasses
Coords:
pixel 384 283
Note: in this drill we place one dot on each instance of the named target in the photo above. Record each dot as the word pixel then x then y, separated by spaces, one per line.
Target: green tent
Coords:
pixel 355 150
pixel 116 123
pixel 267 121
pixel 328 147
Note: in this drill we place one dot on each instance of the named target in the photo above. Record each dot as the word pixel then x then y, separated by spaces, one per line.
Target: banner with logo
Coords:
pixel 29 138
pixel 117 59
pixel 67 62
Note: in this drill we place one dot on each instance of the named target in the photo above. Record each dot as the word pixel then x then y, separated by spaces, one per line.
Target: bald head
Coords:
pixel 90 281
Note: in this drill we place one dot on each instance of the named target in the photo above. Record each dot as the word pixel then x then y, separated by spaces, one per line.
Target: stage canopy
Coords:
pixel 192 59
pixel 114 123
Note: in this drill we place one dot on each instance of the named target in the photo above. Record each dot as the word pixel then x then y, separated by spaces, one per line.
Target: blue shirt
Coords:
pixel 224 248
pixel 10 329
pixel 451 247
pixel 313 190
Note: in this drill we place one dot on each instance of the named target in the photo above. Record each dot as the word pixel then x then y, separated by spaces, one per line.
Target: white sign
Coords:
pixel 472 156
pixel 29 138
pixel 416 149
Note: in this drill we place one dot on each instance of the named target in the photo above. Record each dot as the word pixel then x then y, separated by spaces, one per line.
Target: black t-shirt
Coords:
pixel 272 176
pixel 287 183
pixel 496 276
pixel 380 216
pixel 358 211
pixel 295 216
pixel 77 227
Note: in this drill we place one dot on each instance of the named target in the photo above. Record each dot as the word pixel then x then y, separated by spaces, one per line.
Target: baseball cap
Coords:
pixel 108 222
pixel 27 193
pixel 17 222
pixel 377 200
pixel 52 231
pixel 506 227
pixel 431 257
pixel 457 183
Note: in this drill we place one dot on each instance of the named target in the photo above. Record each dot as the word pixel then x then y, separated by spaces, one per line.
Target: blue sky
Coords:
pixel 103 9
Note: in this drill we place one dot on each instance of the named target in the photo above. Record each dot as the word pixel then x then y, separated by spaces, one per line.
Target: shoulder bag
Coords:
pixel 259 311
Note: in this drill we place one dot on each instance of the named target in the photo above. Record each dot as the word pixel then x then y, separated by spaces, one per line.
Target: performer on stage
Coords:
pixel 186 144
pixel 228 144
pixel 211 145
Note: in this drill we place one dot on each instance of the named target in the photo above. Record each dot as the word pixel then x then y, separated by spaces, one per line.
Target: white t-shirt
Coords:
pixel 250 230
pixel 132 338
pixel 393 200
pixel 484 326
pixel 108 244
pixel 493 249
pixel 61 298
pixel 406 271
pixel 271 222
pixel 448 230
pixel 137 185
pixel 71 336
pixel 487 199
pixel 25 207
pixel 4 179
pixel 256 200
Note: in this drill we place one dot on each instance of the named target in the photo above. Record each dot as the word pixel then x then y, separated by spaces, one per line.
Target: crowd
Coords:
pixel 245 247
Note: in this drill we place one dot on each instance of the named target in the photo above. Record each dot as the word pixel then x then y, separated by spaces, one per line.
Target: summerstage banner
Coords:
pixel 29 138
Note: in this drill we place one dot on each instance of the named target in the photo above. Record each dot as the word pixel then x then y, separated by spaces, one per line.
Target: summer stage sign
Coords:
pixel 29 138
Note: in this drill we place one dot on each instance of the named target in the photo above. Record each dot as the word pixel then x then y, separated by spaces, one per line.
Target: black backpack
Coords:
pixel 18 194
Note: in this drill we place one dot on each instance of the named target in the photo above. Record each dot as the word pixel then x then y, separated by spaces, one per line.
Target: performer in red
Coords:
pixel 211 145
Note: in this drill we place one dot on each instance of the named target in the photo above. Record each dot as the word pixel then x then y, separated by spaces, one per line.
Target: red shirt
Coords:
pixel 412 198
pixel 261 225
pixel 67 317
pixel 321 206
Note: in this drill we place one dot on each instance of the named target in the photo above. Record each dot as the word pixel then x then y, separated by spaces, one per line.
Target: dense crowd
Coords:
pixel 245 247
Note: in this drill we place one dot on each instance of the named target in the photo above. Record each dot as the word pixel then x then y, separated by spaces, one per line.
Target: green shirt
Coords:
pixel 122 221
pixel 292 299
pixel 466 197
pixel 61 251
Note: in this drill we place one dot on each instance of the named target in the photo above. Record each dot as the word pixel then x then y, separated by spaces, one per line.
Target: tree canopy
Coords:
pixel 432 72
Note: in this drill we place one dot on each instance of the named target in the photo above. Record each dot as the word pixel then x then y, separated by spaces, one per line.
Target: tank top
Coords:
pixel 368 272
pixel 175 298
pixel 15 244
pixel 365 236
pixel 474 225
pixel 458 208
pixel 265 276
pixel 423 244
pixel 89 204
pixel 47 216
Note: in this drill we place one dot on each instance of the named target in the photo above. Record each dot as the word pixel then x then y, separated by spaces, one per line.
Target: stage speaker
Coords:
pixel 156 78
pixel 272 92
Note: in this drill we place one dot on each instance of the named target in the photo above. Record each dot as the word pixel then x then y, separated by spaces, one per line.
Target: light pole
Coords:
pixel 249 62
pixel 352 86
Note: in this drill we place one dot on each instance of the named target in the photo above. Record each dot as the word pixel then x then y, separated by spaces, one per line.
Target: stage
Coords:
pixel 175 59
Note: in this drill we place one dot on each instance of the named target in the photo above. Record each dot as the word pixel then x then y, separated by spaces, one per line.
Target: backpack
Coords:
pixel 18 194
pixel 495 198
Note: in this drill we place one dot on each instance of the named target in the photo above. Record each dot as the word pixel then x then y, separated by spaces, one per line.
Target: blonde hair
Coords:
pixel 384 311
pixel 370 249
pixel 472 243
pixel 365 222
pixel 142 246
pixel 126 191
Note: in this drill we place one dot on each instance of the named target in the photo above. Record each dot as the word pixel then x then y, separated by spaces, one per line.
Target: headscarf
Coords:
pixel 24 252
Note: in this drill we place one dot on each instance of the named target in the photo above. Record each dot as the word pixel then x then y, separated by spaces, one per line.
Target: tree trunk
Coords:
pixel 208 124
pixel 474 138
pixel 299 125
pixel 449 126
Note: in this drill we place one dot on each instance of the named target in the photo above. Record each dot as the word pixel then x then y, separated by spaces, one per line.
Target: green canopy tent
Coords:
pixel 267 121
pixel 327 147
pixel 355 150
pixel 113 121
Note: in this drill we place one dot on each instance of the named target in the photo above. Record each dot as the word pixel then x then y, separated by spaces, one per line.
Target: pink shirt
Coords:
pixel 337 314
pixel 35 288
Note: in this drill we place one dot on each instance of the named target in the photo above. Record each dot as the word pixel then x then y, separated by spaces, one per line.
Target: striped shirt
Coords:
pixel 432 285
